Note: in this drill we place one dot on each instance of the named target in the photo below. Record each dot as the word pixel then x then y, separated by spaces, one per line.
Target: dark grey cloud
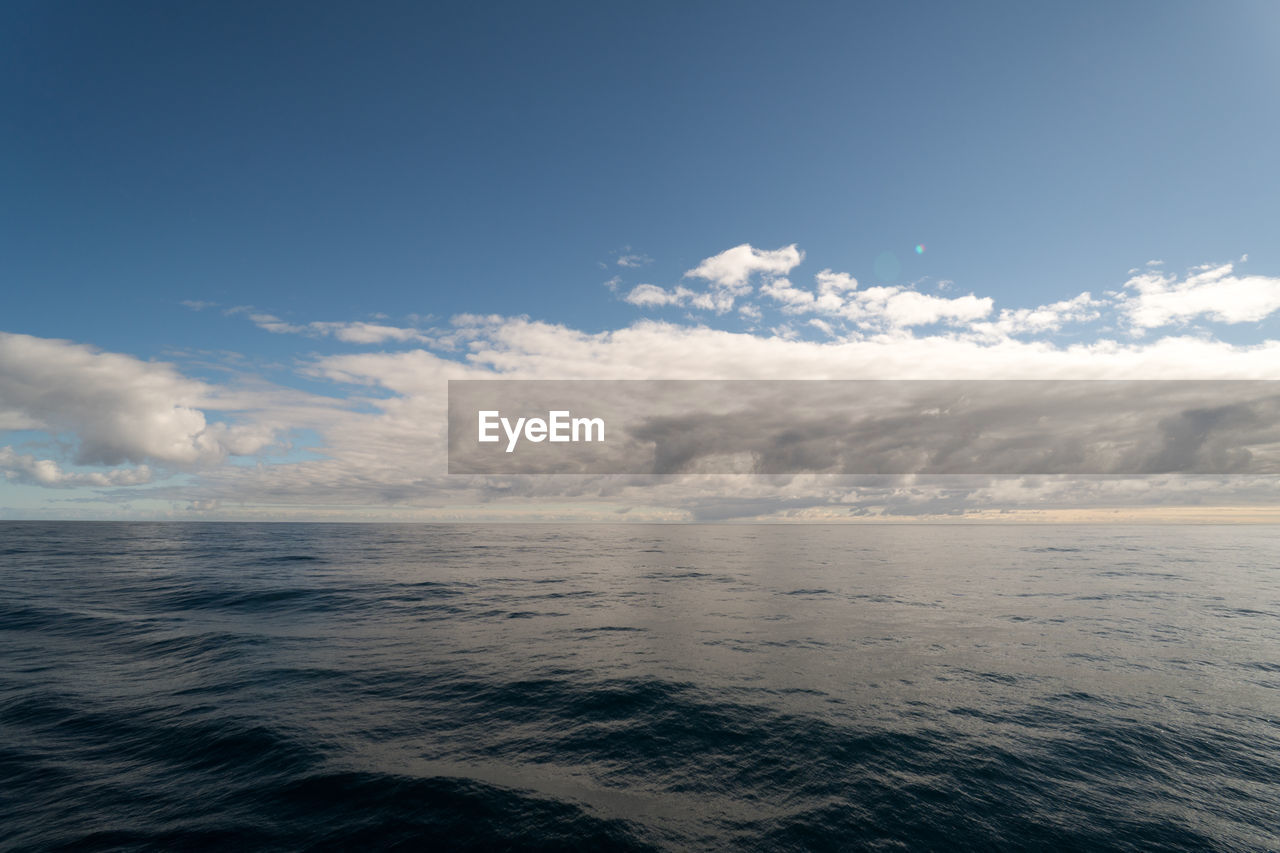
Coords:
pixel 909 427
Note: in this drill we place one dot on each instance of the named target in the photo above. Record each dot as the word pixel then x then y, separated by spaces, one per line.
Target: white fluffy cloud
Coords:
pixel 650 296
pixel 729 276
pixel 120 409
pixel 884 307
pixel 898 307
pixel 1152 299
pixel 835 282
pixel 1046 318
pixel 837 296
pixel 733 267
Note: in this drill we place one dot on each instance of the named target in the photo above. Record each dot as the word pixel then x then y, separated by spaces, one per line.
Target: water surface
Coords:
pixel 282 686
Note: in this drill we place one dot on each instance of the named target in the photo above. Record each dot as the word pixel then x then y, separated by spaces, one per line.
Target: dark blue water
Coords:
pixel 284 687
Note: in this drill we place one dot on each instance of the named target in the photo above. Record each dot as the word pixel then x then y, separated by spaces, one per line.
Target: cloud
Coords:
pixel 350 332
pixel 792 298
pixel 944 428
pixel 835 282
pixel 898 307
pixel 121 409
pixel 875 307
pixel 634 259
pixel 837 295
pixel 897 427
pixel 273 324
pixel 822 326
pixel 729 274
pixel 1046 318
pixel 366 333
pixel 197 304
pixel 393 455
pixel 382 432
pixel 732 267
pixel 1151 299
pixel 25 468
pixel 522 348
pixel 650 295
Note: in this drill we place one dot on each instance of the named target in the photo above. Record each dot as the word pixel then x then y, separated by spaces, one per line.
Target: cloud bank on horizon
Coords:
pixel 361 433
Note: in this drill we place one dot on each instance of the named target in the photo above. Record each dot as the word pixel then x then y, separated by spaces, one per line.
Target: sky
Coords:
pixel 243 246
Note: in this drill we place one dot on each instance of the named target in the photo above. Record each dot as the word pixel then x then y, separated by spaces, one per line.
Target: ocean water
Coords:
pixel 287 687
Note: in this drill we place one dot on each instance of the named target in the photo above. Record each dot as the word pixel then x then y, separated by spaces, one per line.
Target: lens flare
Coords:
pixel 919 248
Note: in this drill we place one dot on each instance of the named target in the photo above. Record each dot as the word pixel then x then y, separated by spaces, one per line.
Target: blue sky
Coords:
pixel 400 164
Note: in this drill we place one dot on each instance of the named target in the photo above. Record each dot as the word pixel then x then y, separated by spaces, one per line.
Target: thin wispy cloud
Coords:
pixel 348 332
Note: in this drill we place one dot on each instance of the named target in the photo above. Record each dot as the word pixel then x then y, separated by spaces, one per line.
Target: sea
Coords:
pixel 225 686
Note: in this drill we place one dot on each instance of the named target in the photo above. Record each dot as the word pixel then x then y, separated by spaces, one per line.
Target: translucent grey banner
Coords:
pixel 933 427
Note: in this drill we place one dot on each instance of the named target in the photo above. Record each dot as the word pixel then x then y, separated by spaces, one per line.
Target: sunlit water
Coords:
pixel 267 686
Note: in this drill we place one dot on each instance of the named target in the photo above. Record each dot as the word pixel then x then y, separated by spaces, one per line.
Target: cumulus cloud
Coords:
pixel 732 267
pixel 834 282
pixel 792 298
pixel 120 408
pixel 1152 299
pixel 875 307
pixel 728 275
pixel 650 295
pixel 898 307
pixel 837 295
pixel 1046 318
